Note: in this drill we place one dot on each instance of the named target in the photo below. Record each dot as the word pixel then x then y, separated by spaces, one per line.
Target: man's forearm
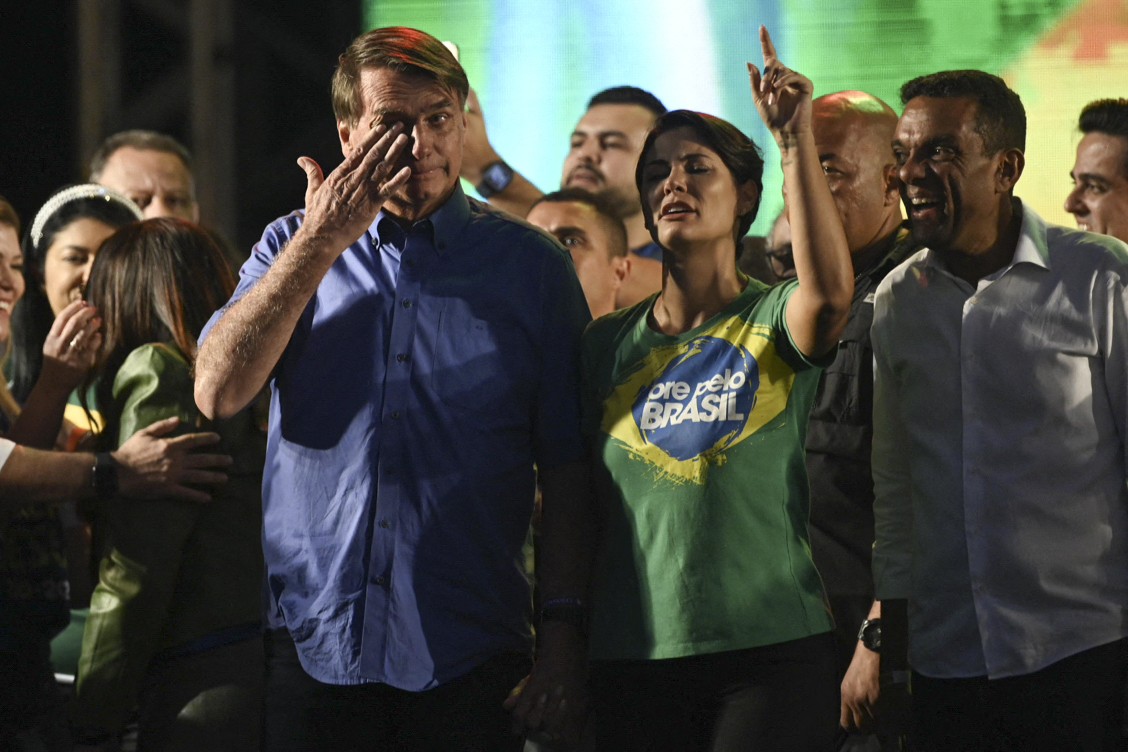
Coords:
pixel 518 197
pixel 567 532
pixel 37 476
pixel 246 343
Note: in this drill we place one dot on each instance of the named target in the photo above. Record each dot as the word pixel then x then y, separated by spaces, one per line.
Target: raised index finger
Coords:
pixel 767 47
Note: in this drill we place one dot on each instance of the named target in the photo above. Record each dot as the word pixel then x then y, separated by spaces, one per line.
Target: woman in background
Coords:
pixel 174 626
pixel 58 250
pixel 34 587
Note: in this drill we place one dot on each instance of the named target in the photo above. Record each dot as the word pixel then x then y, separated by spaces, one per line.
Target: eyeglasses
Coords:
pixel 782 258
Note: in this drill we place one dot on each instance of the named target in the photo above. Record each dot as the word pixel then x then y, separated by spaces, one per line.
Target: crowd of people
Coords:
pixel 859 485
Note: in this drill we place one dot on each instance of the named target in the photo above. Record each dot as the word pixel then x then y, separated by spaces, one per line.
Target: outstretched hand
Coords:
pixel 782 96
pixel 343 204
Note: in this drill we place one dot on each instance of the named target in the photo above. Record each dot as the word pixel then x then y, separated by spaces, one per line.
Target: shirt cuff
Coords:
pixel 6 448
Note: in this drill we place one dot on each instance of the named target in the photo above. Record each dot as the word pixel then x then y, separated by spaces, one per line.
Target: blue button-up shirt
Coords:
pixel 430 371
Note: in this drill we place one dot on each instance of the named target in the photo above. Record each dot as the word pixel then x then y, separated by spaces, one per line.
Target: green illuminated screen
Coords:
pixel 535 63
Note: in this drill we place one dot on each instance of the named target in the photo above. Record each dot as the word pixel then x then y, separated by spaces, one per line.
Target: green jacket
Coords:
pixel 178 574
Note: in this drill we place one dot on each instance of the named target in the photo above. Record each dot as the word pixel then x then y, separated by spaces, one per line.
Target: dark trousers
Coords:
pixel 304 715
pixel 1074 705
pixel 32 711
pixel 778 697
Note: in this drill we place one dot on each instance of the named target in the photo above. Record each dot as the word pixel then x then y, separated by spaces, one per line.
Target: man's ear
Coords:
pixel 621 268
pixel 344 132
pixel 1011 164
pixel 892 192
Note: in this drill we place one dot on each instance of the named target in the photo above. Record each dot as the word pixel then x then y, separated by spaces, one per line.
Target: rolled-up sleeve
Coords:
pixel 262 257
pixel 6 448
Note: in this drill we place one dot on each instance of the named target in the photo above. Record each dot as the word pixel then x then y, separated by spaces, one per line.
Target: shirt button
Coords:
pixel 381 580
pixel 395 414
pixel 385 524
pixel 406 304
pixel 402 357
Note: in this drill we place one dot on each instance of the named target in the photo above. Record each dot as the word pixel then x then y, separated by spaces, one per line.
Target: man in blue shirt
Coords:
pixel 421 351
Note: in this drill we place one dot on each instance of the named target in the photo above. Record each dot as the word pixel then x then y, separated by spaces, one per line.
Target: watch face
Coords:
pixel 497 176
pixel 871 636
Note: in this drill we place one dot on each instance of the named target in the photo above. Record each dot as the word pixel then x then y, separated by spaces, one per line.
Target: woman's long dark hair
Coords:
pixel 738 153
pixel 32 316
pixel 155 281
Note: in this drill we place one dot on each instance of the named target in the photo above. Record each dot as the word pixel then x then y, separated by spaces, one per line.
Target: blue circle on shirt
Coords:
pixel 701 401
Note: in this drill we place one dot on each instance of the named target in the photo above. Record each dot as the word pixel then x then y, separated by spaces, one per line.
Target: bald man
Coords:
pixel 853 132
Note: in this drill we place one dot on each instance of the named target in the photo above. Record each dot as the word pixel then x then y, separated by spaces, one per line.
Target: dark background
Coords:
pixel 284 54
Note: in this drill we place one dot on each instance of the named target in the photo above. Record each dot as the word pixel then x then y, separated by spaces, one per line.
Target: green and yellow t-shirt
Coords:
pixel 86 418
pixel 699 470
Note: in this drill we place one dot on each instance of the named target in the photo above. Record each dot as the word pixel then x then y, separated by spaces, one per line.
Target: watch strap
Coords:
pixel 104 476
pixel 565 610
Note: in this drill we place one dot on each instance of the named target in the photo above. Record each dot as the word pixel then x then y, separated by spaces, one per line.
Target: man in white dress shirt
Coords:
pixel 1000 417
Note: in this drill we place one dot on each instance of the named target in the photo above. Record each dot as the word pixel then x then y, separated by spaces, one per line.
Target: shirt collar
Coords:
pixel 1031 248
pixel 443 226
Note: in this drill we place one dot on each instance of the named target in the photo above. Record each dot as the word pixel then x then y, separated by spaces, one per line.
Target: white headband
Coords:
pixel 74 193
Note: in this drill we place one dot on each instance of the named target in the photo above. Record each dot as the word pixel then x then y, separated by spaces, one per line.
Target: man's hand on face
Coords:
pixel 341 206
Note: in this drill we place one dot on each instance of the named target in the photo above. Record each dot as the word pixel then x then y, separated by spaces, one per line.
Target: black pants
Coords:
pixel 777 697
pixel 1076 704
pixel 32 711
pixel 304 715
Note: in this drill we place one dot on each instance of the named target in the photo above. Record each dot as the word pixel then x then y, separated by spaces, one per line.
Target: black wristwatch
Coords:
pixel 104 476
pixel 495 179
pixel 870 634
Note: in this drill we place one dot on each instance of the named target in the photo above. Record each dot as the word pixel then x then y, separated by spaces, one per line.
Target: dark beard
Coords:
pixel 623 205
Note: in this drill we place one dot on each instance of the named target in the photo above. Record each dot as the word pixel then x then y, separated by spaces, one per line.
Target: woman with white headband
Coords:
pixel 58 250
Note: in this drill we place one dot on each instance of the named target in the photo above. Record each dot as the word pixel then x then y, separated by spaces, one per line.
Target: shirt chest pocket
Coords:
pixel 483 363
